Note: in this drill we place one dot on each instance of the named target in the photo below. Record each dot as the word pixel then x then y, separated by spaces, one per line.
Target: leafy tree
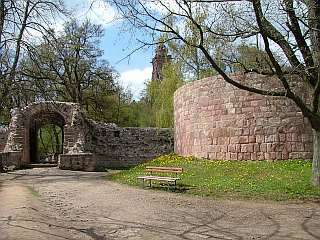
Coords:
pixel 19 20
pixel 68 64
pixel 249 58
pixel 144 110
pixel 161 94
pixel 287 27
pixel 194 64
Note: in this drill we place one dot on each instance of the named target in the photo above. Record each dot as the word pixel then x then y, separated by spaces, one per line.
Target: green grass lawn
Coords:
pixel 281 180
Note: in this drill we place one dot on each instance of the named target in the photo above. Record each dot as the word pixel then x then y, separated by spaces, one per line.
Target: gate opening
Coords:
pixel 49 143
pixel 46 136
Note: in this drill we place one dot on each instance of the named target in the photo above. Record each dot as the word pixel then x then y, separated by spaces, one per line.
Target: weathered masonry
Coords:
pixel 87 145
pixel 215 120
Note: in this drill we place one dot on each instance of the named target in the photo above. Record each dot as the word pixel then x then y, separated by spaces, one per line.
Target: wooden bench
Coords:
pixel 167 179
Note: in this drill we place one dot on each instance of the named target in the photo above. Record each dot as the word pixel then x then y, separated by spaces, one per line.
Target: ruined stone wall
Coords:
pixel 113 146
pixel 3 137
pixel 78 162
pixel 87 145
pixel 215 120
pixel 10 159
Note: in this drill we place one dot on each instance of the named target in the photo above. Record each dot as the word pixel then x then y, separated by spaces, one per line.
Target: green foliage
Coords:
pixel 144 112
pixel 193 63
pixel 249 57
pixel 33 192
pixel 49 140
pixel 281 180
pixel 68 65
pixel 160 94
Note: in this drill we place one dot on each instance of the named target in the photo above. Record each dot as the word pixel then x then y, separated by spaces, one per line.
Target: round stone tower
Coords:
pixel 215 120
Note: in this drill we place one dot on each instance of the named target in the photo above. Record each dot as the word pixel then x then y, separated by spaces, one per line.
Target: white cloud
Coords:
pixel 163 6
pixel 98 12
pixel 135 80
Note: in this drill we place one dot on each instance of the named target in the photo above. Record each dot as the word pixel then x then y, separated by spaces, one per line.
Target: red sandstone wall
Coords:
pixel 215 120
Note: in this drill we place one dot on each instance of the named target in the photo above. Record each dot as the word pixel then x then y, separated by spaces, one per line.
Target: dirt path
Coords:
pixel 56 204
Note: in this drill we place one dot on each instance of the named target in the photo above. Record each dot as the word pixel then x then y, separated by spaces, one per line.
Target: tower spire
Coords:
pixel 161 57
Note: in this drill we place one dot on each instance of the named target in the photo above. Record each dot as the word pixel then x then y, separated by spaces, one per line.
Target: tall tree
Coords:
pixel 193 63
pixel 69 65
pixel 160 95
pixel 287 27
pixel 19 21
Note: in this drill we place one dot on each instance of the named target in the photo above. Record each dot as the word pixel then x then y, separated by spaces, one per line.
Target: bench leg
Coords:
pixel 174 184
pixel 142 183
pixel 150 183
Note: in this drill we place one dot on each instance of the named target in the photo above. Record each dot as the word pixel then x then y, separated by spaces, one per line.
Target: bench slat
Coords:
pixel 164 169
pixel 158 178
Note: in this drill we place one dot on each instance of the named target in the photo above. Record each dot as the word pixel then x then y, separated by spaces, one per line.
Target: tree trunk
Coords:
pixel 316 159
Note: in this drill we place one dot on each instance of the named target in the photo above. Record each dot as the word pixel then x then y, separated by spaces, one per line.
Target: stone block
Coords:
pixel 243 139
pixel 295 137
pixel 263 147
pixel 270 156
pixel 233 156
pixel 297 147
pixel 213 155
pixel 282 137
pixel 253 156
pixel 221 156
pixel 223 141
pixel 245 131
pixel 247 148
pixel 246 156
pixel 240 156
pixel 234 140
pixel 260 156
pixel 252 139
pixel 296 155
pixel 223 148
pixel 260 138
pixel 234 148
pixel 256 147
pixel 271 138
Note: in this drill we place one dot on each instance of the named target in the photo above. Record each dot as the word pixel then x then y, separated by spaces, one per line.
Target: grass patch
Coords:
pixel 280 180
pixel 33 192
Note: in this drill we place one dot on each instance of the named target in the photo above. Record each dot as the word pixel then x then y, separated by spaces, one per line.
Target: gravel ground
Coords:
pixel 57 204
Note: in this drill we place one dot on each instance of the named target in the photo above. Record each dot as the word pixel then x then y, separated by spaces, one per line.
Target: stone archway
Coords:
pixel 26 122
pixel 39 120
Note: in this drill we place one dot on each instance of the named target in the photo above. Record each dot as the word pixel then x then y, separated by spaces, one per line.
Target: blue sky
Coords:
pixel 117 44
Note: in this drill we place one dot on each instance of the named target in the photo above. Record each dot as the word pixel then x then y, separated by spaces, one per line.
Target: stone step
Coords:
pixel 42 165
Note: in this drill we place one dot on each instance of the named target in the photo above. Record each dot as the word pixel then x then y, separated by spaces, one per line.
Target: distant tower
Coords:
pixel 158 61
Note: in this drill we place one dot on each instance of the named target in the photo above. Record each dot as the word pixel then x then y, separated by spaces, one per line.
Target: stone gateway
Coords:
pixel 87 145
